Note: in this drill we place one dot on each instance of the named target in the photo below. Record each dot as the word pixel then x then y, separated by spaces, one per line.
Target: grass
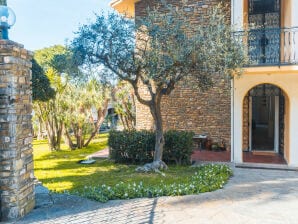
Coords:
pixel 60 171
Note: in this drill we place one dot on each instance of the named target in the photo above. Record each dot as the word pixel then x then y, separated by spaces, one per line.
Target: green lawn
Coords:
pixel 60 171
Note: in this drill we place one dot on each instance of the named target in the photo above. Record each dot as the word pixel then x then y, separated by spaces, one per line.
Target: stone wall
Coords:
pixel 16 158
pixel 186 108
pixel 245 134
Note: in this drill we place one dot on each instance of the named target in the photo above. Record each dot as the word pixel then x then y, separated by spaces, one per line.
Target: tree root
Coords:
pixel 155 166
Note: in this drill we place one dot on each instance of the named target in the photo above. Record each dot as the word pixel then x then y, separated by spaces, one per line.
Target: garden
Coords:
pixel 105 180
pixel 95 81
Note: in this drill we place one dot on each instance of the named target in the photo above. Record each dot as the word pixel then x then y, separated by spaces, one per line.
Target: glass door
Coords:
pixel 265 116
pixel 264 34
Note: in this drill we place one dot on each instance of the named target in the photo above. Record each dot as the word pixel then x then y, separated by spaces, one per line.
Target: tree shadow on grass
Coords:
pixel 77 176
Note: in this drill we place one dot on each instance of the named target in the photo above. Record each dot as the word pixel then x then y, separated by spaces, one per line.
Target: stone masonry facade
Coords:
pixel 186 108
pixel 245 125
pixel 16 158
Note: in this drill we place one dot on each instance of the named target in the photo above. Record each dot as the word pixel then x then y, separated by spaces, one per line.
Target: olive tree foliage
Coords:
pixel 125 105
pixel 159 51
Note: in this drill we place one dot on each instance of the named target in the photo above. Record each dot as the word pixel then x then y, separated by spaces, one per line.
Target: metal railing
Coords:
pixel 271 46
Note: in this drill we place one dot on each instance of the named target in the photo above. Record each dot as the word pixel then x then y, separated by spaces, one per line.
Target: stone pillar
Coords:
pixel 16 158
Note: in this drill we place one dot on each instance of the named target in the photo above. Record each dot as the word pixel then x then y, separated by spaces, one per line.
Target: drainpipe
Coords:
pixel 232 91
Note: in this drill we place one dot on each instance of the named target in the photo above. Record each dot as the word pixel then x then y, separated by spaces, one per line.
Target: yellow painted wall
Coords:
pixel 287 79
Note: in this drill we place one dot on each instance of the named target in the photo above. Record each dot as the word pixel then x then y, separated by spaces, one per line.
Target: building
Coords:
pixel 257 112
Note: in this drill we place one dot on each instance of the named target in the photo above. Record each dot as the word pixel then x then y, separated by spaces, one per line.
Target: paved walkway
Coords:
pixel 100 154
pixel 251 196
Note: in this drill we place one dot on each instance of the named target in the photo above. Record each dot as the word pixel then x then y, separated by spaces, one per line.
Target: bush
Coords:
pixel 205 179
pixel 131 146
pixel 178 147
pixel 137 147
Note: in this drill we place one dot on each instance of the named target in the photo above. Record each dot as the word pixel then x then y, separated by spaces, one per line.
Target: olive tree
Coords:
pixel 159 51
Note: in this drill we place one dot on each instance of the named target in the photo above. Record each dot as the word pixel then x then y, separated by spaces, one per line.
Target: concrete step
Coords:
pixel 264 153
pixel 266 166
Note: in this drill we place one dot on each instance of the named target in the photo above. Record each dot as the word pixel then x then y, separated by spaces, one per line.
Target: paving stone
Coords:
pixel 251 196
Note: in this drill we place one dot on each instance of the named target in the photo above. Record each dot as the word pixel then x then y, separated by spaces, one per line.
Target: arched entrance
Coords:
pixel 264 124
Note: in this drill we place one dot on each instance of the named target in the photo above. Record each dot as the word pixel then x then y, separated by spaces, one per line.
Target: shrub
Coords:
pixel 178 146
pixel 137 147
pixel 205 179
pixel 131 146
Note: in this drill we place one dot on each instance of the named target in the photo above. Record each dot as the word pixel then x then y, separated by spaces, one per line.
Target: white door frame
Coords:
pixel 276 124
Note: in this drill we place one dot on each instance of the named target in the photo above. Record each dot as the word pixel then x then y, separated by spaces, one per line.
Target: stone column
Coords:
pixel 16 158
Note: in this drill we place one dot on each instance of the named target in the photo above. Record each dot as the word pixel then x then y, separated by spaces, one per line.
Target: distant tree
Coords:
pixel 50 113
pixel 41 92
pixel 81 101
pixel 158 52
pixel 125 105
pixel 41 86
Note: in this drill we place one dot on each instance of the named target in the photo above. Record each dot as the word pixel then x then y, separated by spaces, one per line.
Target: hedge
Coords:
pixel 137 147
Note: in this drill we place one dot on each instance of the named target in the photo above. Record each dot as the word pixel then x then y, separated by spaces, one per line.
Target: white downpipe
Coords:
pixel 250 123
pixel 276 125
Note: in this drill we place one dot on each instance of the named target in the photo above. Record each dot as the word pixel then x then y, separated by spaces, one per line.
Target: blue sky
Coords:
pixel 43 23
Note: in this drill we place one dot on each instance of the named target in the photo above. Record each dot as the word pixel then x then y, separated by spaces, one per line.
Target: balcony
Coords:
pixel 271 46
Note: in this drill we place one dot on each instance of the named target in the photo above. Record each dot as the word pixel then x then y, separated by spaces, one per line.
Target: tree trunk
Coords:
pixel 95 130
pixel 68 140
pixel 39 133
pixel 129 116
pixel 157 163
pixel 122 121
pixel 59 135
pixel 50 135
pixel 127 122
pixel 80 138
pixel 159 138
pixel 101 113
pixel 54 135
pixel 159 144
pixel 154 105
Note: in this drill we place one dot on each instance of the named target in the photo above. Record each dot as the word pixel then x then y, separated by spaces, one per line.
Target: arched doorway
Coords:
pixel 264 123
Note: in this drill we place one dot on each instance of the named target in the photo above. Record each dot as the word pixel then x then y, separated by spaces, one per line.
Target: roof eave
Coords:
pixel 126 7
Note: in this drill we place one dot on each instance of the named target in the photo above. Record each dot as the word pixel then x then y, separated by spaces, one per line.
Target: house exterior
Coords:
pixel 257 112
